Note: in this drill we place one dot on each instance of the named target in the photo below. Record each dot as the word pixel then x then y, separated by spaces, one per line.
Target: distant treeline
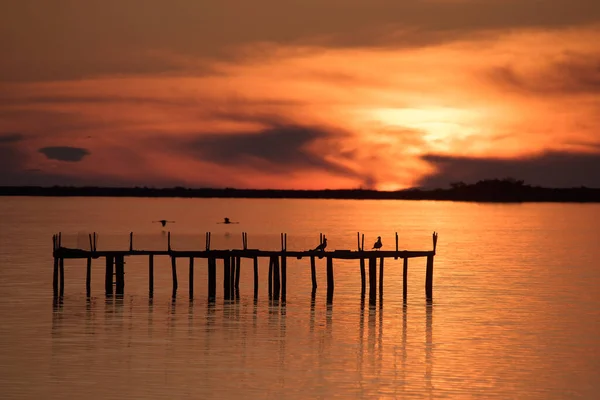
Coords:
pixel 489 190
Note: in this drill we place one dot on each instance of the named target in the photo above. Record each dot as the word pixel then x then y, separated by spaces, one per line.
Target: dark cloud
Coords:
pixel 573 74
pixel 125 40
pixel 64 153
pixel 553 169
pixel 10 137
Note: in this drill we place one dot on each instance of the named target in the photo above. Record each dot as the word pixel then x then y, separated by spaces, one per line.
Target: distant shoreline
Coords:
pixel 499 193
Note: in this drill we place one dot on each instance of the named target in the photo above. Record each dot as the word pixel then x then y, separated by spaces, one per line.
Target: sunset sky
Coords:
pixel 307 94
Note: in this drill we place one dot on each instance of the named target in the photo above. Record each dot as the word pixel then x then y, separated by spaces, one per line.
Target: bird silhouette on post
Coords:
pixel 163 222
pixel 378 243
pixel 322 246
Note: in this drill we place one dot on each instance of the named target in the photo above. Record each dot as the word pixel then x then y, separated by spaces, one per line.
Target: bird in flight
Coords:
pixel 322 246
pixel 227 221
pixel 163 222
pixel 378 243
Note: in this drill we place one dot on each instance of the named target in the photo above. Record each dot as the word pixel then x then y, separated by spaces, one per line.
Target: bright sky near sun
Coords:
pixel 300 94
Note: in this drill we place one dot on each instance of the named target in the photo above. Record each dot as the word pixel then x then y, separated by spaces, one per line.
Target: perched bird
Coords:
pixel 163 222
pixel 322 246
pixel 378 243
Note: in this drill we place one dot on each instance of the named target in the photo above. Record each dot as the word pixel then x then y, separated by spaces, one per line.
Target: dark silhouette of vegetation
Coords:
pixel 489 190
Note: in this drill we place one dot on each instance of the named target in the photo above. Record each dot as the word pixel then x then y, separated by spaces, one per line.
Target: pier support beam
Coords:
pixel 313 273
pixel 255 277
pixel 276 278
pixel 151 275
pixel 362 277
pixel 191 278
pixel 372 280
pixel 174 273
pixel 108 277
pixel 212 279
pixel 429 278
pixel 227 278
pixel 88 278
pixel 62 277
pixel 330 283
pixel 283 278
pixel 55 278
pixel 405 279
pixel 120 275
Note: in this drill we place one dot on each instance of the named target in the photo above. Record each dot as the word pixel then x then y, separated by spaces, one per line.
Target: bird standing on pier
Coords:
pixel 378 243
pixel 322 246
pixel 163 222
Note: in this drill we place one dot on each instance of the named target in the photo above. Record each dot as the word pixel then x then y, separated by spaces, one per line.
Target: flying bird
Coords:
pixel 227 221
pixel 378 243
pixel 163 222
pixel 322 246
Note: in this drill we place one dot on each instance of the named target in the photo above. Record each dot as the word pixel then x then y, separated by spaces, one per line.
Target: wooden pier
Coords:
pixel 230 260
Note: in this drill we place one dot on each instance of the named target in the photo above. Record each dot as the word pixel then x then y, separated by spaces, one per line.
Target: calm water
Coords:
pixel 516 310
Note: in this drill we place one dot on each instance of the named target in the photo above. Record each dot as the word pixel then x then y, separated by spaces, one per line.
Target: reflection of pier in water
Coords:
pixel 231 261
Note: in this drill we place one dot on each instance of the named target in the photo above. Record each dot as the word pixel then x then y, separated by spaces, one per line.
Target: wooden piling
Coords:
pixel 55 278
pixel 372 280
pixel 255 277
pixel 151 275
pixel 62 277
pixel 276 278
pixel 237 273
pixel 232 277
pixel 429 278
pixel 212 279
pixel 120 275
pixel 362 277
pixel 330 283
pixel 108 277
pixel 191 278
pixel 88 278
pixel 396 257
pixel 227 278
pixel 270 277
pixel 380 278
pixel 405 279
pixel 131 241
pixel 313 273
pixel 283 277
pixel 174 273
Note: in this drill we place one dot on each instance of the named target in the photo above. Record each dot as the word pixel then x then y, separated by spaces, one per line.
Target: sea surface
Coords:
pixel 515 311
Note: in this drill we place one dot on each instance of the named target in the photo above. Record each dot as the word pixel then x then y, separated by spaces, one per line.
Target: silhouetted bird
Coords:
pixel 227 221
pixel 322 246
pixel 378 243
pixel 163 222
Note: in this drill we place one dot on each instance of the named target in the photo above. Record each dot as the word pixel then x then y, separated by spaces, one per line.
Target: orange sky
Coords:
pixel 343 95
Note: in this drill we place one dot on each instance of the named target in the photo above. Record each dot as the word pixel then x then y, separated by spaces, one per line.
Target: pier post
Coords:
pixel 151 275
pixel 174 273
pixel 108 277
pixel 270 277
pixel 330 283
pixel 237 273
pixel 191 278
pixel 429 278
pixel 276 278
pixel 255 277
pixel 120 275
pixel 372 280
pixel 88 278
pixel 55 278
pixel 362 277
pixel 62 277
pixel 212 279
pixel 283 277
pixel 226 278
pixel 405 279
pixel 313 273
pixel 380 278
pixel 232 277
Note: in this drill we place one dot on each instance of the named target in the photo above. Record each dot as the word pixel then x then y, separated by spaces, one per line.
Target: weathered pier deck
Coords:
pixel 230 259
